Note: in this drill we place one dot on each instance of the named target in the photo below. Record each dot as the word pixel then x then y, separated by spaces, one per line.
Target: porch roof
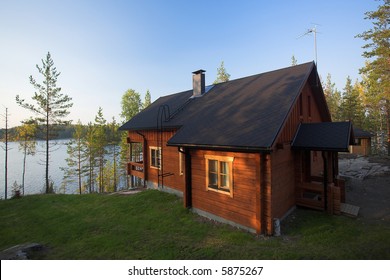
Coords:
pixel 325 136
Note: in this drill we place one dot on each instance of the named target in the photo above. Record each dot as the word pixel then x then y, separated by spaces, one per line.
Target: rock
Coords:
pixel 20 252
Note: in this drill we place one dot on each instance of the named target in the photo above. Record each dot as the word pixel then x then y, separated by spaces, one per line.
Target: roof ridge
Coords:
pixel 267 72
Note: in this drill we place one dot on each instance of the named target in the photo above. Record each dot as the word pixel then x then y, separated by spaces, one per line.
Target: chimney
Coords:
pixel 198 83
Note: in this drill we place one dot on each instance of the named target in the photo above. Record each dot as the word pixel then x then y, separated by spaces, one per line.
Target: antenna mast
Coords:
pixel 314 31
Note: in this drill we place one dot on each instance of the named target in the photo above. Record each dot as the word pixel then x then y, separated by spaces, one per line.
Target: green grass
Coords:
pixel 154 225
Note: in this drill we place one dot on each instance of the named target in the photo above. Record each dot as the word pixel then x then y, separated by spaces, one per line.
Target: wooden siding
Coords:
pixel 242 207
pixel 170 159
pixel 283 181
pixel 364 147
pixel 300 113
pixel 311 195
pixel 265 186
pixel 290 168
pixel 266 175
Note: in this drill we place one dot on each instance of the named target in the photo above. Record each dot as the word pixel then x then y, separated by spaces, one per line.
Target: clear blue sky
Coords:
pixel 103 48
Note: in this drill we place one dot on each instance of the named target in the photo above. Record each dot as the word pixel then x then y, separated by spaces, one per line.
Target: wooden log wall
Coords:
pixel 242 206
pixel 364 148
pixel 334 200
pixel 266 189
pixel 283 184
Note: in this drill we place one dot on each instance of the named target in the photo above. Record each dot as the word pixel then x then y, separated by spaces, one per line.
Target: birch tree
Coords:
pixel 27 143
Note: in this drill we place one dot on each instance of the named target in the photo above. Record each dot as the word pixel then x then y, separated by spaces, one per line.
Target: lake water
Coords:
pixel 35 169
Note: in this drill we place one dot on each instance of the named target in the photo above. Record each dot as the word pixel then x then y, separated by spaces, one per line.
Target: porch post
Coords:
pixel 188 179
pixel 325 163
pixel 131 159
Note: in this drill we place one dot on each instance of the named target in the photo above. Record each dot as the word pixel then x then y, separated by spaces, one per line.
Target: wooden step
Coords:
pixel 349 210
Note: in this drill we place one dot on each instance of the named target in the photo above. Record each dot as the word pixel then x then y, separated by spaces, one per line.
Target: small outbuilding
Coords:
pixel 362 143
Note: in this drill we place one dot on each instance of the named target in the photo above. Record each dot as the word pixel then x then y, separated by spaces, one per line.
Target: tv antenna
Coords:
pixel 314 31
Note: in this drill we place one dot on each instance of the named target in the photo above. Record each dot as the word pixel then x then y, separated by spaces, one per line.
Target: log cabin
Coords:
pixel 362 144
pixel 244 152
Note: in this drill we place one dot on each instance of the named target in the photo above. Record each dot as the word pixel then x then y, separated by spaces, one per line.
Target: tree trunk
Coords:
pixel 79 163
pixel 6 155
pixel 115 187
pixel 90 172
pixel 47 156
pixel 388 126
pixel 24 165
pixel 47 139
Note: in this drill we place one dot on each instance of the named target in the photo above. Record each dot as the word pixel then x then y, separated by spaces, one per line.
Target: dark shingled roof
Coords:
pixel 325 136
pixel 246 113
pixel 360 133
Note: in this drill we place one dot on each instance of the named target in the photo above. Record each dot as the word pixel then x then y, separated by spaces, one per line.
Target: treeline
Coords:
pixel 359 103
pixel 94 156
pixel 98 152
pixel 62 132
pixel 366 102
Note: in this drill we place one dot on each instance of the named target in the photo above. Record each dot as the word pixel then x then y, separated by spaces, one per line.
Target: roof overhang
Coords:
pixel 165 128
pixel 221 147
pixel 324 136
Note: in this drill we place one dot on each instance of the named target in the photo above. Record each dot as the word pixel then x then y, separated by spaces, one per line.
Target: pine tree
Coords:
pixel 351 105
pixel 375 109
pixel 378 49
pixel 76 149
pixel 100 141
pixel 148 100
pixel 358 92
pixel 91 155
pixel 51 107
pixel 333 98
pixel 113 141
pixel 293 61
pixel 222 75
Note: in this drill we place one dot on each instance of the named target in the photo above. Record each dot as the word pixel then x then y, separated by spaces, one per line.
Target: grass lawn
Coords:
pixel 154 225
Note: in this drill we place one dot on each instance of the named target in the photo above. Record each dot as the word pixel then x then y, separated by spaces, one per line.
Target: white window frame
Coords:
pixel 220 189
pixel 151 149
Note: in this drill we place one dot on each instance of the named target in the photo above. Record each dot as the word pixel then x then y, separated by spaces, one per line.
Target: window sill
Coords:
pixel 154 167
pixel 229 193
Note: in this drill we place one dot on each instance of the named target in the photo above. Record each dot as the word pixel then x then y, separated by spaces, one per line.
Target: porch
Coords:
pixel 312 195
pixel 136 163
pixel 136 169
pixel 316 148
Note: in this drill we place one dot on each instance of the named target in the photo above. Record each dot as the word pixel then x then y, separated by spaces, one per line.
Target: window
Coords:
pixel 300 106
pixel 219 174
pixel 155 157
pixel 358 141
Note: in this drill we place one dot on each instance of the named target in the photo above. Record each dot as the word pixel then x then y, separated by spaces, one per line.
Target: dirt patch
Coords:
pixel 368 185
pixel 128 192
